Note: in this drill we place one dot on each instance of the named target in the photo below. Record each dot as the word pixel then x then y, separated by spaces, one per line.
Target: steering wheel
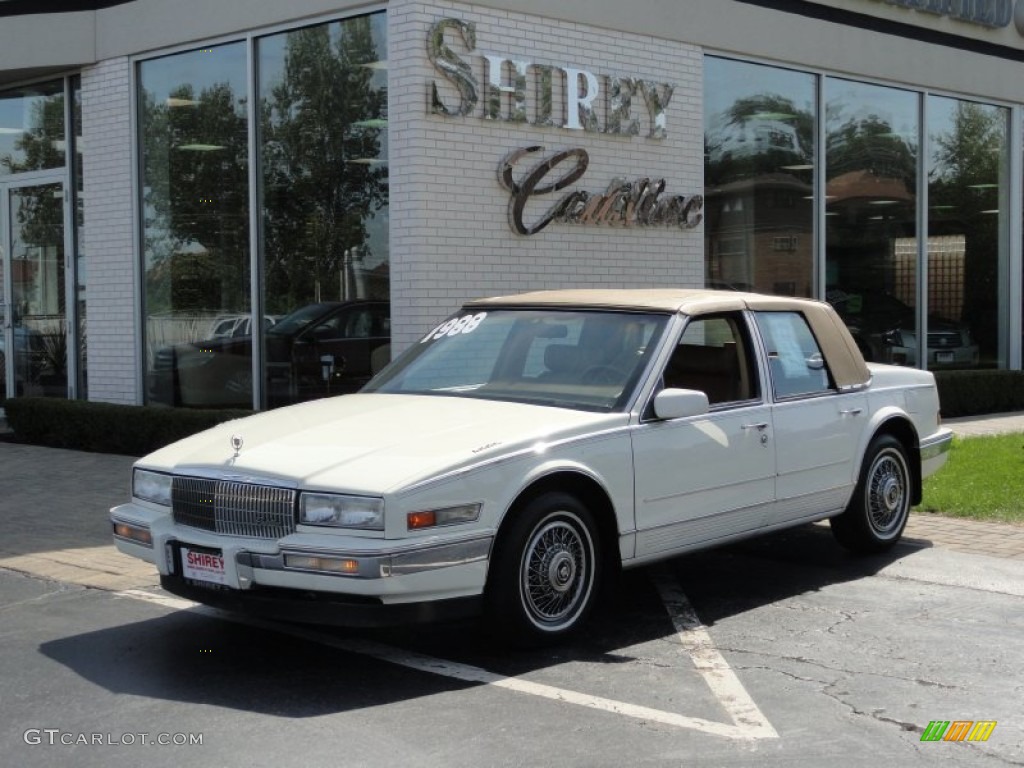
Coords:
pixel 603 374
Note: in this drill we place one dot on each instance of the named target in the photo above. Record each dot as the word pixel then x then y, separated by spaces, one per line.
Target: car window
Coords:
pixel 794 358
pixel 714 356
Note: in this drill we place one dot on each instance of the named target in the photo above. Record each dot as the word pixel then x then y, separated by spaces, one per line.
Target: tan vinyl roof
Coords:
pixel 840 350
pixel 690 301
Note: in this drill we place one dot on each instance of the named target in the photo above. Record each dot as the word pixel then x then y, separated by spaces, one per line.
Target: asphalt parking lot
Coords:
pixel 779 651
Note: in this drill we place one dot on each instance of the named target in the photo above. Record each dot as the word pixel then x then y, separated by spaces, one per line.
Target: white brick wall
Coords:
pixel 109 246
pixel 450 236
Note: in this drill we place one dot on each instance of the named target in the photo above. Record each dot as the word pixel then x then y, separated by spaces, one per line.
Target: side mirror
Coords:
pixel 680 403
pixel 816 362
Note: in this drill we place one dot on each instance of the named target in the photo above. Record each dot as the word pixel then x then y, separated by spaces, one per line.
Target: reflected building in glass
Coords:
pixel 256 203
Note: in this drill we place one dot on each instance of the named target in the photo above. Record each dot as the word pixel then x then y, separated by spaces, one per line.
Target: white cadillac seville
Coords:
pixel 529 444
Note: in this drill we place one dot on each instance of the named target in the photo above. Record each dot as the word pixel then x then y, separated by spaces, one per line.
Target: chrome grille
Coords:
pixel 233 508
pixel 943 339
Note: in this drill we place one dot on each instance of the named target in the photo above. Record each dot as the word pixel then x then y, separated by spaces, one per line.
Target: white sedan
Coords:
pixel 530 443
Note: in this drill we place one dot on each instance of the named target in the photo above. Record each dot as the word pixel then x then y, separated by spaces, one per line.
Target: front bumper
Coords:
pixel 388 582
pixel 327 608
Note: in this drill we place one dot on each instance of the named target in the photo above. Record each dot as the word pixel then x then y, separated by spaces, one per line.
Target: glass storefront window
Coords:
pixel 32 128
pixel 968 219
pixel 323 160
pixel 193 129
pixel 759 160
pixel 78 184
pixel 871 216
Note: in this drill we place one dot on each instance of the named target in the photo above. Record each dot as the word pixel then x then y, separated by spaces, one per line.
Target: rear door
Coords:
pixel 817 428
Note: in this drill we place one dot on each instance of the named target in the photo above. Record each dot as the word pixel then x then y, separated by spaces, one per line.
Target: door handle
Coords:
pixel 761 425
pixel 852 412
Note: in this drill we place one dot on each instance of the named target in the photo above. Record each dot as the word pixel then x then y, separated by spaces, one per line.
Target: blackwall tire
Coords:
pixel 878 511
pixel 545 572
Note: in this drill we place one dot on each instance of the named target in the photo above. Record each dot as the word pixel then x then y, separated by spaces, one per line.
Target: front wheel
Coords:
pixel 545 572
pixel 877 514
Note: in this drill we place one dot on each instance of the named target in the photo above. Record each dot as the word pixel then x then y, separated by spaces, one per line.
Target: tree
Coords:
pixel 321 128
pixel 196 206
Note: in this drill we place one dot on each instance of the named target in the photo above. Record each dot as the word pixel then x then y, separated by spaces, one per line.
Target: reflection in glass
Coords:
pixel 967 233
pixel 82 391
pixel 323 161
pixel 194 132
pixel 759 161
pixel 39 354
pixel 32 128
pixel 3 322
pixel 871 198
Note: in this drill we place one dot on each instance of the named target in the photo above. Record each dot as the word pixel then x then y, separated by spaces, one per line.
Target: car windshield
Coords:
pixel 588 360
pixel 294 322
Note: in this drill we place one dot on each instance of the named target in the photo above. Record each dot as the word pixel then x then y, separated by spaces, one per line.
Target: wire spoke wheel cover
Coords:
pixel 545 572
pixel 878 510
pixel 887 496
pixel 557 570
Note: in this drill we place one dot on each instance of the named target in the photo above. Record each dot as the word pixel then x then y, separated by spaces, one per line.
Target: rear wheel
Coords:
pixel 545 571
pixel 877 514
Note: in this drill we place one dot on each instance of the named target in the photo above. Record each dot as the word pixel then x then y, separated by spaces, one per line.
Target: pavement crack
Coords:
pixel 838 670
pixel 61 589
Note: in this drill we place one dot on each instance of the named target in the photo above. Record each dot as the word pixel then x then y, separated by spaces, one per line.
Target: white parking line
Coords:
pixel 748 722
pixel 711 665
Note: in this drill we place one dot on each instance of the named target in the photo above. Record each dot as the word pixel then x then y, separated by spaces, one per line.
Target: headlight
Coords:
pixel 151 486
pixel 342 511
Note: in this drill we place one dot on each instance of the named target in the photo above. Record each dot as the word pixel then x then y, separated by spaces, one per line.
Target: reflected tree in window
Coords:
pixel 41 145
pixel 196 200
pixel 871 216
pixel 39 215
pixel 323 122
pixel 759 149
pixel 759 134
pixel 871 144
pixel 967 202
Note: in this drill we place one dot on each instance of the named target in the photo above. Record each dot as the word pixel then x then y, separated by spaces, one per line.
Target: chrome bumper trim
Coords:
pixel 380 565
pixel 936 445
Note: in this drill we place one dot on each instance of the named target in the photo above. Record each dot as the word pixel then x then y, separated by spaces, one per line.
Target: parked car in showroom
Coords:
pixel 320 349
pixel 884 328
pixel 231 326
pixel 529 444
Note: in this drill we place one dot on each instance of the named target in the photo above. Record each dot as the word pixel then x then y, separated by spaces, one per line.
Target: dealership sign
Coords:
pixel 623 203
pixel 985 13
pixel 994 14
pixel 637 203
pixel 582 89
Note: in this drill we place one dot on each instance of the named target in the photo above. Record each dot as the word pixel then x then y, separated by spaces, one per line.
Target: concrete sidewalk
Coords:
pixel 54 524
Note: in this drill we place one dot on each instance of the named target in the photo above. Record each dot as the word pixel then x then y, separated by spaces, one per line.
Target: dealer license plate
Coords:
pixel 943 357
pixel 202 564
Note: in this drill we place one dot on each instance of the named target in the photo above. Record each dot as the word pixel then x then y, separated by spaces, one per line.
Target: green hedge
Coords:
pixel 971 393
pixel 106 428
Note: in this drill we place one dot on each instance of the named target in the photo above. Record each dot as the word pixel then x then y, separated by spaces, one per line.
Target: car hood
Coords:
pixel 374 443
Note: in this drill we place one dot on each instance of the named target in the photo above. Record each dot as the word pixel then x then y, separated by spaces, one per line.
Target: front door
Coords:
pixel 712 477
pixel 33 311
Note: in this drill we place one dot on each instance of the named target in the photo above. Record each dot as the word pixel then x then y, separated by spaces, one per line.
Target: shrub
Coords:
pixel 105 427
pixel 970 393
